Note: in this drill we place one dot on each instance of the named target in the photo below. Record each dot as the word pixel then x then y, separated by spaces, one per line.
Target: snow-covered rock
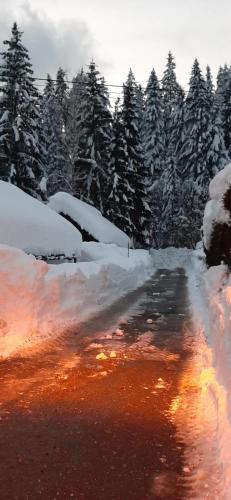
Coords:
pixel 88 218
pixel 214 213
pixel 38 300
pixel 220 183
pixel 28 224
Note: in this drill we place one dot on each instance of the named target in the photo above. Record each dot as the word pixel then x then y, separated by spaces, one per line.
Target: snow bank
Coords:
pixel 28 224
pixel 210 297
pixel 38 300
pixel 171 258
pixel 89 219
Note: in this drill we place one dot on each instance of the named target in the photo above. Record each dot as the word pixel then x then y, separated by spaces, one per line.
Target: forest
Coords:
pixel 144 159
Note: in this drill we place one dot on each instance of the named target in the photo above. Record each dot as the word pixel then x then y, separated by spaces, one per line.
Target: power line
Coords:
pixel 79 83
pixel 108 85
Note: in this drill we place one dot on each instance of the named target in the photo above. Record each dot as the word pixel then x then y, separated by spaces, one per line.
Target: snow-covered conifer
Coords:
pixel 202 152
pixel 91 176
pixel 57 159
pixel 120 201
pixel 21 145
pixel 170 91
pixel 137 171
pixel 154 139
pixel 77 94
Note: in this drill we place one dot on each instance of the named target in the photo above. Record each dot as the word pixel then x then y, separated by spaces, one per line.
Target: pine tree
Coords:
pixel 92 167
pixel 137 171
pixel 171 208
pixel 222 81
pixel 225 111
pixel 223 103
pixel 202 153
pixel 210 86
pixel 61 94
pixel 154 137
pixel 170 92
pixel 58 162
pixel 120 209
pixel 172 215
pixel 21 148
pixel 154 148
pixel 140 111
pixel 76 96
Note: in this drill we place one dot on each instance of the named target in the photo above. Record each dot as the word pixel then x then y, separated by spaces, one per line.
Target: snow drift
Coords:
pixel 28 224
pixel 88 218
pixel 38 300
pixel 211 300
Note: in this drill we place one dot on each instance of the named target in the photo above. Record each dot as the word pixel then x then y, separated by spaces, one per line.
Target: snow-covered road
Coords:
pixel 103 412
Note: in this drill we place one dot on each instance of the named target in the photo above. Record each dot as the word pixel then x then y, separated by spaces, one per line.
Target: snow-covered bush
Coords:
pixel 217 220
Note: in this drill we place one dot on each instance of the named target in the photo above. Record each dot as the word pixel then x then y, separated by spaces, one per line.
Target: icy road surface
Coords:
pixel 100 413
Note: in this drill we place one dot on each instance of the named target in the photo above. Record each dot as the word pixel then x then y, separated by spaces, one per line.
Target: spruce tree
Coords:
pixel 91 176
pixel 170 92
pixel 154 136
pixel 210 86
pixel 154 148
pixel 172 215
pixel 77 94
pixel 140 96
pixel 58 161
pixel 223 77
pixel 171 207
pixel 226 114
pixel 137 171
pixel 120 206
pixel 21 146
pixel 203 152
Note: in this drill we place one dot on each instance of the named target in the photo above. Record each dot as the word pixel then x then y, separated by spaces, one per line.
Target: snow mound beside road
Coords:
pixel 38 301
pixel 28 224
pixel 171 258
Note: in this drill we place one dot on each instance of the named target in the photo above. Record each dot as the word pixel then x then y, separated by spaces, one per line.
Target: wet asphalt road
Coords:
pixel 73 426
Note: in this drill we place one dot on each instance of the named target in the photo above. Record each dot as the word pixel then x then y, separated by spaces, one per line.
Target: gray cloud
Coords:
pixel 68 44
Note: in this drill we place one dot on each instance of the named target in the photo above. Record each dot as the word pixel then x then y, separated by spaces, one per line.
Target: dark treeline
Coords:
pixel 146 164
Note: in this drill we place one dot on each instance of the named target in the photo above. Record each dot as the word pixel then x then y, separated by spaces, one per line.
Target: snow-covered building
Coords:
pixel 88 220
pixel 29 225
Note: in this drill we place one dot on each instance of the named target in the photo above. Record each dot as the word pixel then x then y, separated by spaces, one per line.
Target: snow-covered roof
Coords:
pixel 88 218
pixel 28 224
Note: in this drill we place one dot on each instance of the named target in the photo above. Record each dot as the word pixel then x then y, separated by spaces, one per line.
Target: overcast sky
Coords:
pixel 121 34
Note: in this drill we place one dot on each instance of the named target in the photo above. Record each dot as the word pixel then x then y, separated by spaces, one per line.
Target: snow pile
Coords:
pixel 171 258
pixel 88 218
pixel 210 297
pixel 38 300
pixel 28 224
pixel 214 210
